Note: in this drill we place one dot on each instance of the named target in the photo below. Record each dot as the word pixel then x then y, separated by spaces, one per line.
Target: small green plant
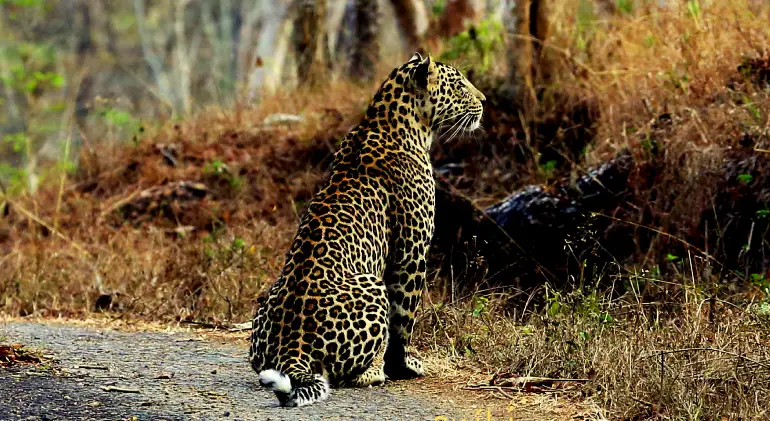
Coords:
pixel 625 6
pixel 14 177
pixel 476 44
pixel 678 80
pixel 479 305
pixel 120 119
pixel 693 9
pixel 238 245
pixel 585 25
pixel 671 257
pixel 218 250
pixel 438 7
pixel 553 300
pixel 762 309
pixel 763 214
pixel 222 171
pixel 650 146
pixel 745 178
pixel 753 109
pixel 216 167
pixel 548 169
pixel 761 281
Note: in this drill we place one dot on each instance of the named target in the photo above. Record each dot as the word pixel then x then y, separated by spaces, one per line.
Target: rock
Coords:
pixel 280 118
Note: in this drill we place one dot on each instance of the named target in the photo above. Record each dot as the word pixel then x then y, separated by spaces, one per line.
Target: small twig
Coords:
pixel 645 403
pixel 93 367
pixel 504 393
pixel 540 380
pixel 240 327
pixel 521 384
pixel 120 203
pixel 205 325
pixel 120 389
pixel 189 340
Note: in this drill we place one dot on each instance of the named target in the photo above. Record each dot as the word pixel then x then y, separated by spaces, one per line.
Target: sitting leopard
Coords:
pixel 342 310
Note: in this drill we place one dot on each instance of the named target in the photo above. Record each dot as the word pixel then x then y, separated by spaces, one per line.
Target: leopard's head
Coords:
pixel 424 97
pixel 448 99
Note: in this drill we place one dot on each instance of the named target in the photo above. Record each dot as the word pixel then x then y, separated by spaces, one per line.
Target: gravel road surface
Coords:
pixel 101 374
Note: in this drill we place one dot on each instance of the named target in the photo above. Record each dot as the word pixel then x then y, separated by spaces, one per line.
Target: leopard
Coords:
pixel 342 310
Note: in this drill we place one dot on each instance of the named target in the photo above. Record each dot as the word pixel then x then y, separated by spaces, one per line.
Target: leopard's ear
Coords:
pixel 415 57
pixel 423 72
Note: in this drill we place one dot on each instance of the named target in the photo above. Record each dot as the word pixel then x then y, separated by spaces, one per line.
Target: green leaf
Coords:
pixel 479 305
pixel 693 9
pixel 625 6
pixel 553 309
pixel 57 80
pixel 745 178
pixel 30 86
pixel 239 244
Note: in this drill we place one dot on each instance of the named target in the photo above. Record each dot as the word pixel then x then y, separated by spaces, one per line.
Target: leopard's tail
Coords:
pixel 295 389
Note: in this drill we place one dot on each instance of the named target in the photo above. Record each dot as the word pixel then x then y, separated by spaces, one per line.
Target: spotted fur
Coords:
pixel 342 310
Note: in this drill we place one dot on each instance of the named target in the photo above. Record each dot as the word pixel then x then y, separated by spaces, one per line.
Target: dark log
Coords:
pixel 535 235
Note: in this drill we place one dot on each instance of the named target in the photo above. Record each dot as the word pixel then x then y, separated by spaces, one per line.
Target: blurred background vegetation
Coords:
pixel 75 71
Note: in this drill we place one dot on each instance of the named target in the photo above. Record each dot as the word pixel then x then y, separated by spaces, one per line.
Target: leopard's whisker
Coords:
pixel 463 122
pixel 457 123
pixel 448 118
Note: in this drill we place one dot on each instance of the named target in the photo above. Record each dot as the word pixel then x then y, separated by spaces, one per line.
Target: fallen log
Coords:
pixel 536 234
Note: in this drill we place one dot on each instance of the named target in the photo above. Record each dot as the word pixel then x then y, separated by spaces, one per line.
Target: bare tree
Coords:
pixel 84 48
pixel 456 17
pixel 310 40
pixel 527 62
pixel 271 50
pixel 412 17
pixel 85 45
pixel 154 61
pixel 183 56
pixel 366 49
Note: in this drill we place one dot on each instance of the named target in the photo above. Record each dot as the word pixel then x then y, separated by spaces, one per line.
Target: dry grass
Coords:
pixel 682 63
pixel 694 358
pixel 205 258
pixel 682 336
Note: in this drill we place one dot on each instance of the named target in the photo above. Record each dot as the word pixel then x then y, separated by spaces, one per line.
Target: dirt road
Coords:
pixel 108 375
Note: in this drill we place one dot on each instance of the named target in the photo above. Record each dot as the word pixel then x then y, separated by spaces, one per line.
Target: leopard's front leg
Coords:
pixel 405 283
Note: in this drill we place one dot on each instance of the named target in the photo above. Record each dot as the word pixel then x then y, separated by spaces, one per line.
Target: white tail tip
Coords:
pixel 275 381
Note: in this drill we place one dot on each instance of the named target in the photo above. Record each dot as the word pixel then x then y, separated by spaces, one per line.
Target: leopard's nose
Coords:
pixel 483 99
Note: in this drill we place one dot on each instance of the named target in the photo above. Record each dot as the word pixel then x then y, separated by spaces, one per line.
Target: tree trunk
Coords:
pixel 528 66
pixel 413 20
pixel 457 16
pixel 366 49
pixel 310 41
pixel 85 45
